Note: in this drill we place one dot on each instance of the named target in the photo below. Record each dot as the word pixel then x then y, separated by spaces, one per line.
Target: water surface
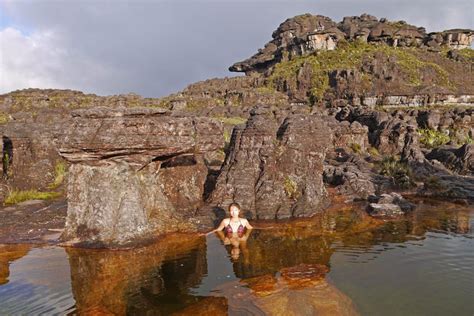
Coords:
pixel 340 262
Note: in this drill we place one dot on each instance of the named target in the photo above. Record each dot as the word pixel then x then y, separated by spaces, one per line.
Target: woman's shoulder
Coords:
pixel 226 221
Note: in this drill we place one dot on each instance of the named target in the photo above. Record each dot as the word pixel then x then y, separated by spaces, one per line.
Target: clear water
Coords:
pixel 341 262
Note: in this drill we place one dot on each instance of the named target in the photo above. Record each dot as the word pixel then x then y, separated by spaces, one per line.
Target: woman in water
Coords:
pixel 233 225
pixel 234 231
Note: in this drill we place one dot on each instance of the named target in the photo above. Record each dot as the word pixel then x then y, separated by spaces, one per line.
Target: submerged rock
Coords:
pixel 386 210
pixel 391 205
pixel 299 290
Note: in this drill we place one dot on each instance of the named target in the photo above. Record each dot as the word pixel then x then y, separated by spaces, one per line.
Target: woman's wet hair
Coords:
pixel 234 204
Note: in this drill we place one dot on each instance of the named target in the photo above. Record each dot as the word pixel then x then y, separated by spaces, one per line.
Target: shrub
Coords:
pixel 291 188
pixel 398 171
pixel 356 148
pixel 374 151
pixel 432 138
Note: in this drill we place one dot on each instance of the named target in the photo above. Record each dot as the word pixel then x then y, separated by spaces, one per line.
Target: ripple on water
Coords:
pixel 39 283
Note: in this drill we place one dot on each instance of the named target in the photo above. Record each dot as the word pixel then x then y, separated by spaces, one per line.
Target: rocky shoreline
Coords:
pixel 366 109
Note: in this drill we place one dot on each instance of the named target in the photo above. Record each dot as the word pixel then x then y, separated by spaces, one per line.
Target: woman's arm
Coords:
pixel 221 227
pixel 247 224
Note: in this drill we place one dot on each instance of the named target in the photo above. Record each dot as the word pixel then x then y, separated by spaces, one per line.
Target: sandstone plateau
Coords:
pixel 366 108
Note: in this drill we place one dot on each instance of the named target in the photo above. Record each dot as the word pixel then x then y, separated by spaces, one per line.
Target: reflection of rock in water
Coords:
pixel 441 217
pixel 311 241
pixel 269 251
pixel 8 254
pixel 139 280
pixel 298 290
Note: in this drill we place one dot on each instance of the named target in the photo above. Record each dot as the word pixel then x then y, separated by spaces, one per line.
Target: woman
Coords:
pixel 233 225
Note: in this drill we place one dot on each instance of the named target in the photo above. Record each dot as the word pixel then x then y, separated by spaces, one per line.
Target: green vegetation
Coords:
pixel 350 56
pixel 17 196
pixel 6 165
pixel 374 151
pixel 59 175
pixel 398 171
pixel 468 140
pixel 235 120
pixel 291 188
pixel 4 118
pixel 227 136
pixel 356 148
pixel 433 138
pixel 467 53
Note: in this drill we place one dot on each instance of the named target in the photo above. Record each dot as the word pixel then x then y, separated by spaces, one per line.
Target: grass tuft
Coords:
pixel 59 175
pixel 356 148
pixel 398 171
pixel 4 118
pixel 17 196
pixel 235 120
pixel 291 188
pixel 432 138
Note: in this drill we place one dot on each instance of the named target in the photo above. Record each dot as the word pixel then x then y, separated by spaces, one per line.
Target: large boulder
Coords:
pixel 460 160
pixel 135 173
pixel 274 166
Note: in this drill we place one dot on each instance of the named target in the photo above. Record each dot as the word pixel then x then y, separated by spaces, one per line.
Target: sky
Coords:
pixel 154 48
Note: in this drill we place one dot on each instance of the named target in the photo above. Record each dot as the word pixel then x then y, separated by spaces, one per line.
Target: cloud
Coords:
pixel 27 61
pixel 43 60
pixel 158 47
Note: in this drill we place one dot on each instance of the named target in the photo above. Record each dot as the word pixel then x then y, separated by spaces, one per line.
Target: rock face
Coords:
pixel 274 166
pixel 135 173
pixel 29 155
pixel 460 160
pixel 305 34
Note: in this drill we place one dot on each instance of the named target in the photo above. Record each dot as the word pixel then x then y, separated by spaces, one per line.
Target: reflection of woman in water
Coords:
pixel 234 231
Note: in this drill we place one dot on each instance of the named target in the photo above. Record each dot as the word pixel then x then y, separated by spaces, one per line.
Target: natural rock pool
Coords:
pixel 341 262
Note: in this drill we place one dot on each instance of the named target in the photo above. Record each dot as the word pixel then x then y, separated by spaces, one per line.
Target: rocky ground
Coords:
pixel 366 108
pixel 32 221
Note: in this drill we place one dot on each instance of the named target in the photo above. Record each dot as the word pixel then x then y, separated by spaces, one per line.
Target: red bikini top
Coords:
pixel 240 229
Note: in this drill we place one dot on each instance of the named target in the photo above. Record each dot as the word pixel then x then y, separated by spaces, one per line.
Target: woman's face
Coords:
pixel 234 211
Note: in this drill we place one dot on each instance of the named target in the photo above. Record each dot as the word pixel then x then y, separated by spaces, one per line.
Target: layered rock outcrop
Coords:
pixel 135 173
pixel 274 166
pixel 305 34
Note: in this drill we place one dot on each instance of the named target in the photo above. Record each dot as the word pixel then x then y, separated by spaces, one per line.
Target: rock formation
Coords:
pixel 306 34
pixel 274 166
pixel 135 173
pixel 364 107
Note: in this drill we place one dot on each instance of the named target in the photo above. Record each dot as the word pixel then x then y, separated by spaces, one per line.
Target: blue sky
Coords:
pixel 154 48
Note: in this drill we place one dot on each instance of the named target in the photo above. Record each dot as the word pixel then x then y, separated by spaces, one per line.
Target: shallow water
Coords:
pixel 341 262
